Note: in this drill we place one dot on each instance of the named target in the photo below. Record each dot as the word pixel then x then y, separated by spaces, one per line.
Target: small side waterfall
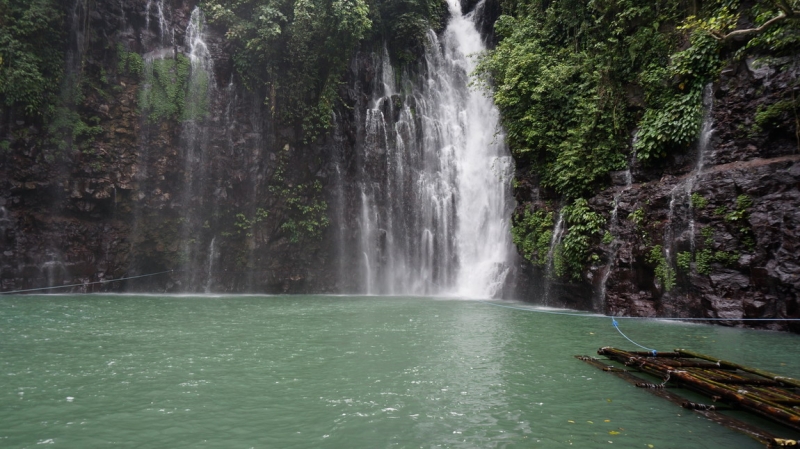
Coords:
pixel 615 242
pixel 555 241
pixel 212 255
pixel 194 142
pixel 680 218
pixel 433 177
pixel 166 34
pixel 182 190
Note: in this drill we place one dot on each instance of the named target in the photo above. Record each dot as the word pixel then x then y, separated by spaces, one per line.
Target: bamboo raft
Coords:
pixel 727 384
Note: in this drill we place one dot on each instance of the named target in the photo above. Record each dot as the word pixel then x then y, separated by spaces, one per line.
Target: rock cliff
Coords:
pixel 721 217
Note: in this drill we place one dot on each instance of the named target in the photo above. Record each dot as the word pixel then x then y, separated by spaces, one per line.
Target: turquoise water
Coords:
pixel 340 372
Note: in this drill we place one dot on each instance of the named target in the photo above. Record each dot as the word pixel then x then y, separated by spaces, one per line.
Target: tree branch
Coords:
pixel 741 35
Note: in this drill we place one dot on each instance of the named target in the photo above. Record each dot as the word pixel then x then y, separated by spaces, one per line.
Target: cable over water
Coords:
pixel 84 284
pixel 616 324
pixel 591 315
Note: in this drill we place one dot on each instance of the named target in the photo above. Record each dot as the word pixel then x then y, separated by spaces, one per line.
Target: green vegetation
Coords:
pixel 128 62
pixel 532 233
pixel 663 271
pixel 740 214
pixel 739 218
pixel 305 214
pixel 581 225
pixel 171 91
pixel 704 257
pixel 295 51
pixel 35 84
pixel 564 72
pixel 575 80
pixel 637 217
pixel 698 201
pixel 708 236
pixel 703 260
pixel 32 46
pixel 248 225
pixel 684 261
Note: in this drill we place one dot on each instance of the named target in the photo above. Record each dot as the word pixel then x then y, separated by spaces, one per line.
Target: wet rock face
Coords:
pixel 146 196
pixel 729 232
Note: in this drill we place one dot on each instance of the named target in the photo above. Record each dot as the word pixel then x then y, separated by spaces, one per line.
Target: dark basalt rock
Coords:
pixel 754 270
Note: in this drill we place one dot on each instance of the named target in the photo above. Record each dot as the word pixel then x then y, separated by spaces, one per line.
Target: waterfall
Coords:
pixel 555 240
pixel 194 142
pixel 680 217
pixel 163 25
pixel 212 254
pixel 432 186
pixel 178 84
pixel 615 242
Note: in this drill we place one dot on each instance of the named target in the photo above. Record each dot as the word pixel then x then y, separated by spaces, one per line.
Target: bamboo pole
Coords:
pixel 754 432
pixel 793 416
pixel 696 382
pixel 772 376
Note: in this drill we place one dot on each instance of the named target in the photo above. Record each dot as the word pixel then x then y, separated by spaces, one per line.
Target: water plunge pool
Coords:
pixel 339 371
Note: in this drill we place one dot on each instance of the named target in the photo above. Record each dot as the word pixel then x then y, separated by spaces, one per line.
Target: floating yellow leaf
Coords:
pixel 571 421
pixel 650 446
pixel 590 422
pixel 606 420
pixel 608 400
pixel 613 432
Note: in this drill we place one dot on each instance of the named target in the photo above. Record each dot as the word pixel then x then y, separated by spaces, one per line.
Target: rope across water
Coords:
pixel 616 324
pixel 84 284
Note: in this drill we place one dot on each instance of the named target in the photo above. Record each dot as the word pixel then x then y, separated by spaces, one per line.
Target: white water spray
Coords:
pixel 434 177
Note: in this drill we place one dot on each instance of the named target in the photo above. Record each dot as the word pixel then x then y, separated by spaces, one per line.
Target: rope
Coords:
pixel 616 326
pixel 591 315
pixel 84 284
pixel 584 315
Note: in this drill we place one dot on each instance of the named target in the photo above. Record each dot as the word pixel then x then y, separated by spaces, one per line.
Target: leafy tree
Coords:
pixel 31 54
pixel 574 80
pixel 293 50
pixel 296 51
pixel 561 75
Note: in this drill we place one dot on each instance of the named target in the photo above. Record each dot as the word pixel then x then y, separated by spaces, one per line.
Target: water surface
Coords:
pixel 339 372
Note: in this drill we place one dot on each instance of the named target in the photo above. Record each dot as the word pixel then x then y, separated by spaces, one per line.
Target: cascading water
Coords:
pixel 680 217
pixel 178 83
pixel 212 256
pixel 194 141
pixel 555 240
pixel 432 183
pixel 163 25
pixel 615 242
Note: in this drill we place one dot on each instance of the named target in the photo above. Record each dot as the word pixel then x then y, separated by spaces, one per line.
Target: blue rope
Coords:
pixel 616 326
pixel 584 315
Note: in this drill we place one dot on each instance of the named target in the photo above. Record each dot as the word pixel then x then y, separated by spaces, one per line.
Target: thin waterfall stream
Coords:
pixel 680 217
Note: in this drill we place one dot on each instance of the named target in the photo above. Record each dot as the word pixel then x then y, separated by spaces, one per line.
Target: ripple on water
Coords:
pixel 303 372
